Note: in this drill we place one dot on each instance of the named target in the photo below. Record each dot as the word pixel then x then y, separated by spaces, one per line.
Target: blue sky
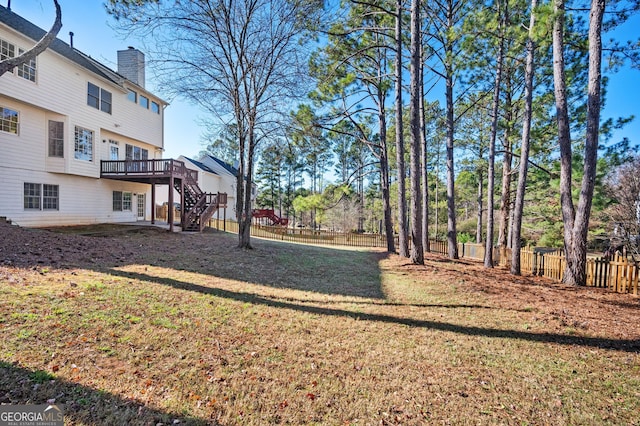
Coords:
pixel 94 36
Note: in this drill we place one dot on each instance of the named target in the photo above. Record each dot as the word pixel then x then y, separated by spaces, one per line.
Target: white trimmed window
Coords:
pixel 9 120
pixel 98 98
pixel 8 50
pixel 41 196
pixel 132 96
pixel 121 201
pixel 114 150
pixel 144 102
pixel 32 196
pixel 155 107
pixel 83 146
pixel 56 139
pixel 28 70
pixel 50 197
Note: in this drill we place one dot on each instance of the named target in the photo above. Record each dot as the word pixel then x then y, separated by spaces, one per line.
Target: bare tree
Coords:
pixel 42 45
pixel 239 59
pixel 623 187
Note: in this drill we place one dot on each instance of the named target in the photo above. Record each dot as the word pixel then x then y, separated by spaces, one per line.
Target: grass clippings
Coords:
pixel 161 328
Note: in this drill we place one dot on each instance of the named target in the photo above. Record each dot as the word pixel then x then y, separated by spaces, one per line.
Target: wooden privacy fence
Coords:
pixel 620 274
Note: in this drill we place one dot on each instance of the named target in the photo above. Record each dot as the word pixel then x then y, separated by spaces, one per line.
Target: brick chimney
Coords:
pixel 131 65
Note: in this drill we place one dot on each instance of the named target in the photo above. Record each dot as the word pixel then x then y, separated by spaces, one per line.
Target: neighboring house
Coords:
pixel 214 176
pixel 62 115
pixel 228 174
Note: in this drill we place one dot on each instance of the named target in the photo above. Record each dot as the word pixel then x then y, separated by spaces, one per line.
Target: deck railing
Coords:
pixel 161 167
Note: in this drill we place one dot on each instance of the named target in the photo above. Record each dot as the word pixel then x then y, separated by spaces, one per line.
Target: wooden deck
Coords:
pixel 198 206
pixel 146 171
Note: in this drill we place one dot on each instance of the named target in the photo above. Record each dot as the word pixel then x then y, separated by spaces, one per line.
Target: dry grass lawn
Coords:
pixel 147 328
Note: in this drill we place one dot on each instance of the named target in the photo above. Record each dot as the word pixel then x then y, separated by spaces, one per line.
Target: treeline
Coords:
pixel 512 152
pixel 448 118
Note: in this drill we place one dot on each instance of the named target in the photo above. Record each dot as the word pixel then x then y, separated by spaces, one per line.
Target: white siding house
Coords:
pixel 59 117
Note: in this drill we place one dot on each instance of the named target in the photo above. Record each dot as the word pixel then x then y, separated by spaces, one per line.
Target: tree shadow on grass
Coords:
pixel 325 270
pixel 625 345
pixel 82 404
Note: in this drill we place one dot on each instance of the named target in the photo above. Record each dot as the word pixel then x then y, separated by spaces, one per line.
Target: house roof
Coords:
pixel 32 31
pixel 226 166
pixel 201 165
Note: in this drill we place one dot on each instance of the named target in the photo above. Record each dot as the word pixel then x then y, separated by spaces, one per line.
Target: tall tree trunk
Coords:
pixel 524 150
pixel 505 199
pixel 452 238
pixel 425 170
pixel 437 198
pixel 479 198
pixel 384 176
pixel 245 224
pixel 564 133
pixel 577 257
pixel 488 251
pixel 403 244
pixel 417 252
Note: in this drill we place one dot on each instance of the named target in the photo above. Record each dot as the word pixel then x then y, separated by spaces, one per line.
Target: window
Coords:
pixel 28 70
pixel 126 201
pixel 105 98
pixel 144 102
pixel 93 96
pixel 32 196
pixel 7 50
pixel 136 153
pixel 50 197
pixel 83 149
pixel 98 98
pixel 117 201
pixel 56 139
pixel 121 201
pixel 155 107
pixel 132 96
pixel 8 120
pixel 41 196
pixel 114 150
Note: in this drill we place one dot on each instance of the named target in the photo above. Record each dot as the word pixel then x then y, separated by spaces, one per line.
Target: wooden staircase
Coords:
pixel 271 215
pixel 198 206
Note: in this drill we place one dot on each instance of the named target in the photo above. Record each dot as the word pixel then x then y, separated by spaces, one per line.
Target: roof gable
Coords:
pixel 228 167
pixel 200 165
